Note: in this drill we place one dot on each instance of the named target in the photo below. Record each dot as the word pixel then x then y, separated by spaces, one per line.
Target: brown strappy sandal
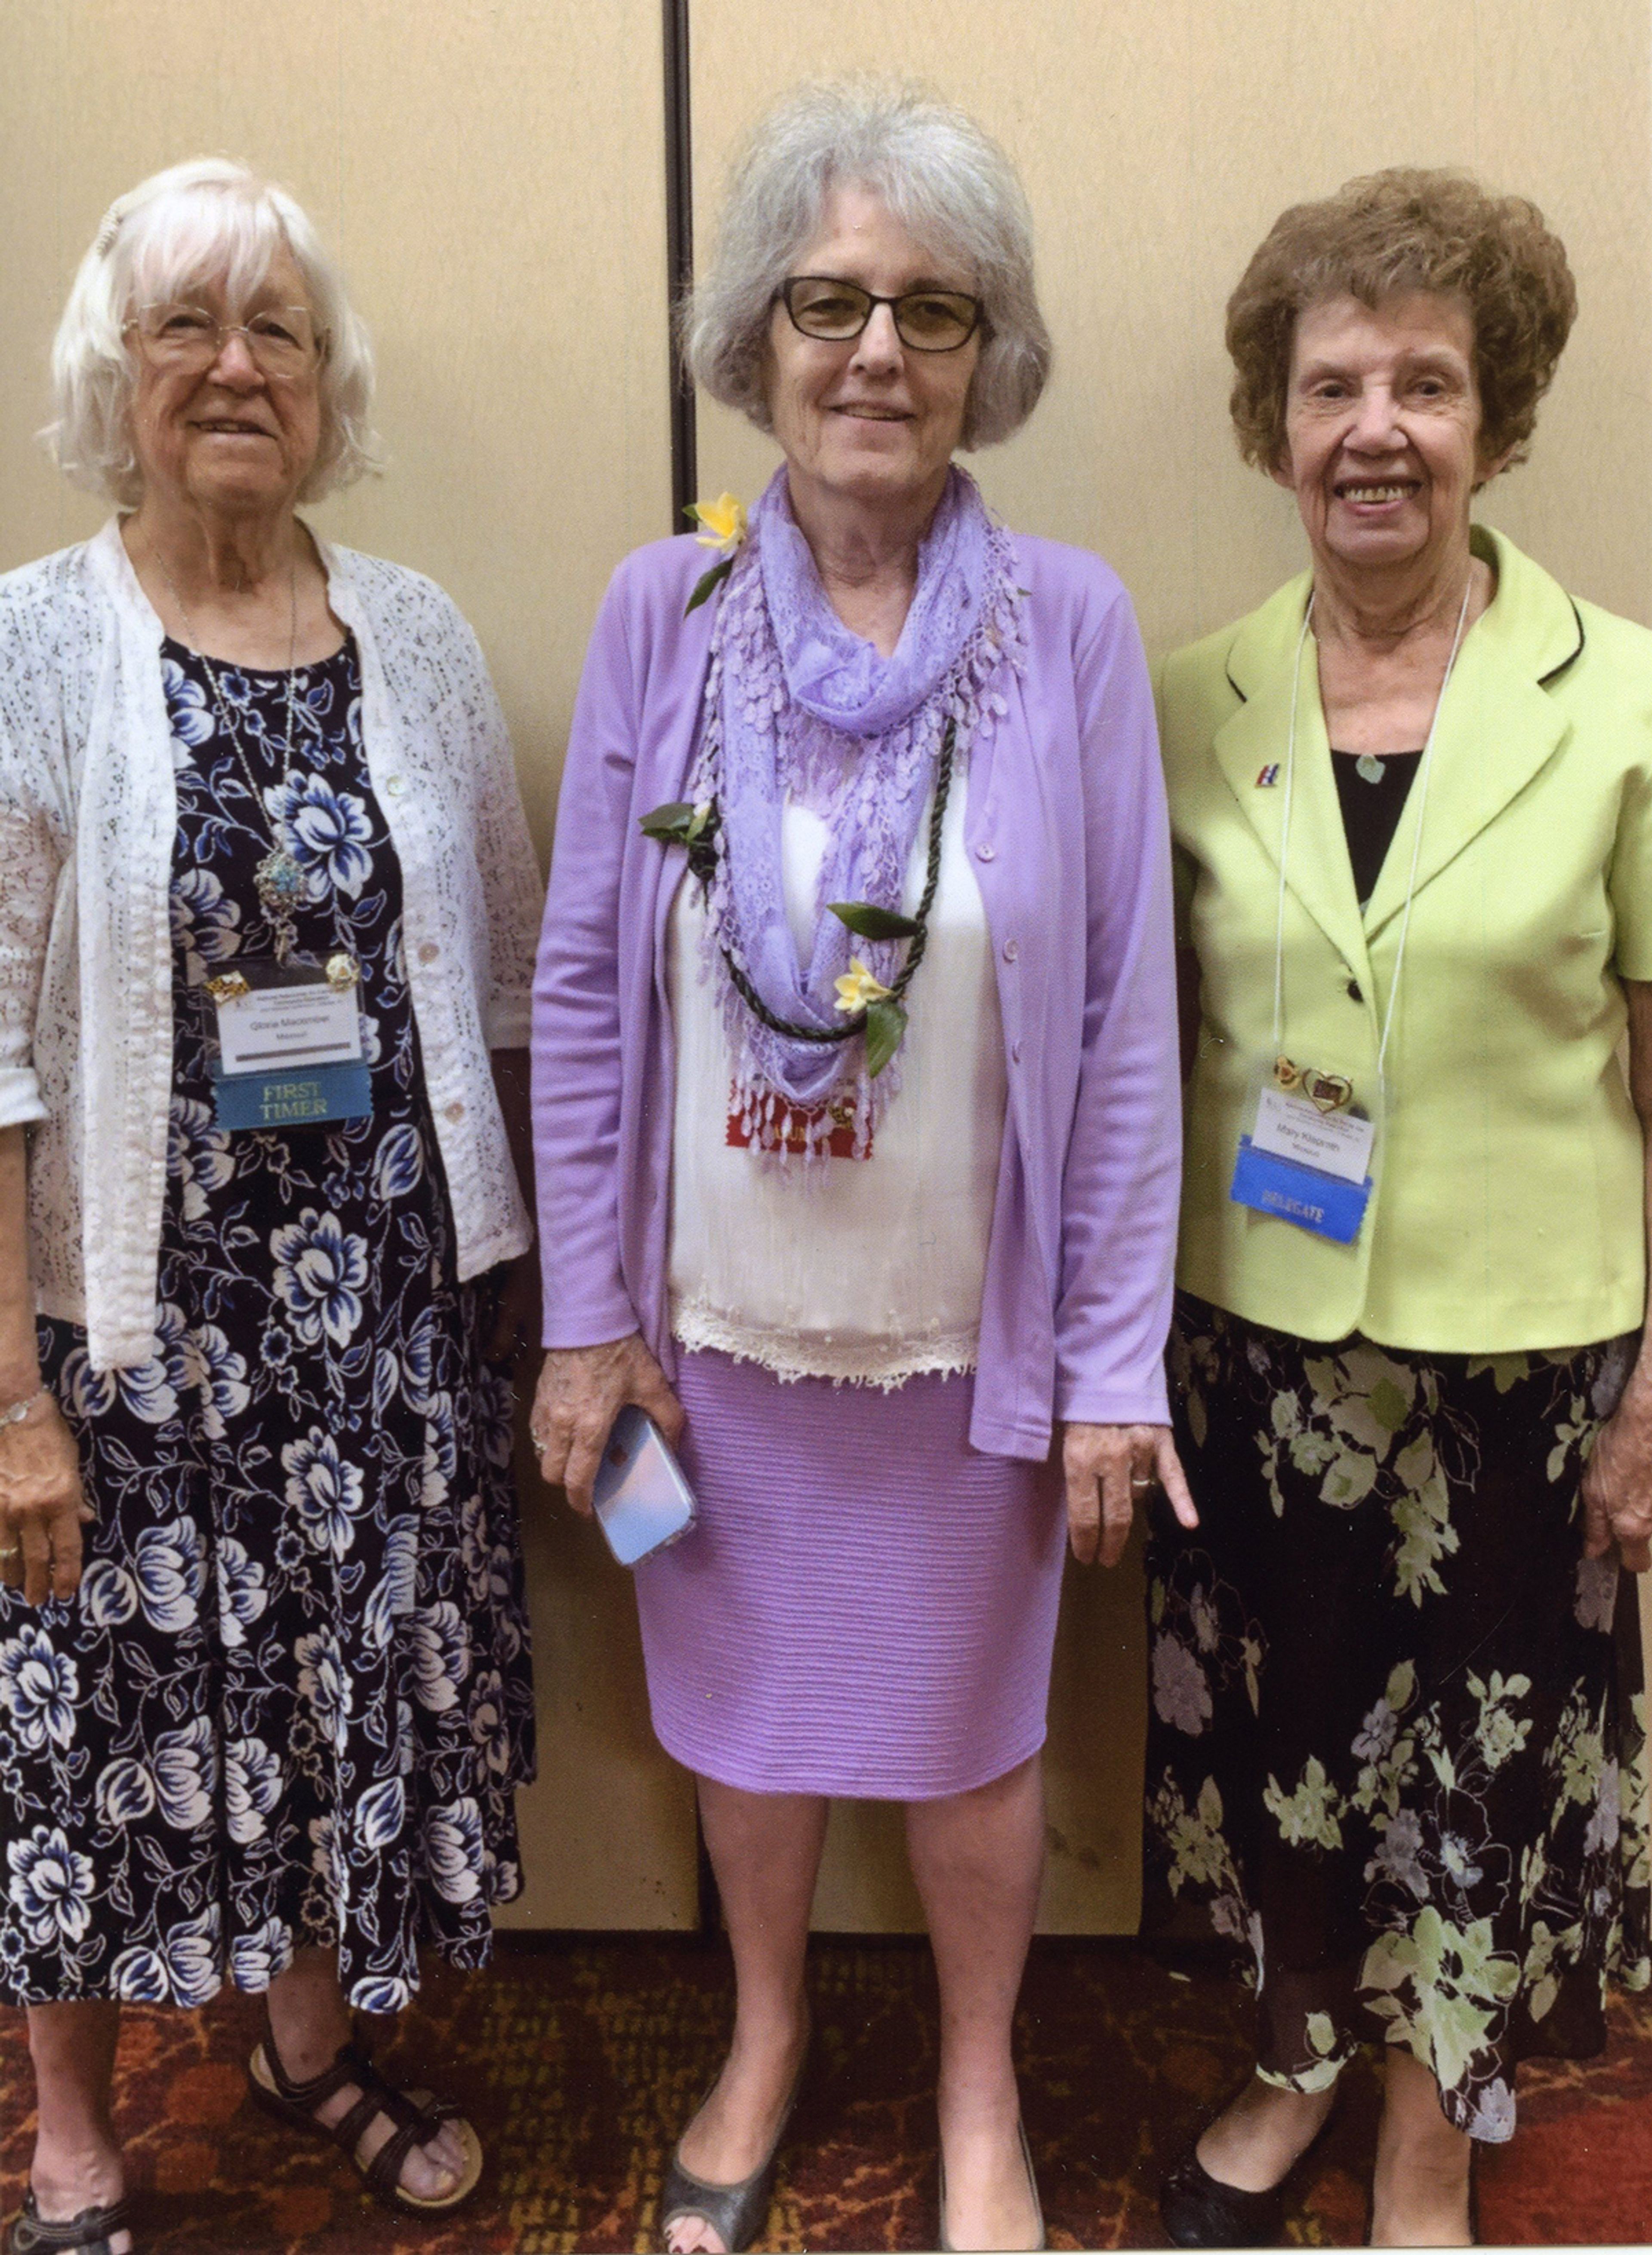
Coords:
pixel 88 2233
pixel 418 2117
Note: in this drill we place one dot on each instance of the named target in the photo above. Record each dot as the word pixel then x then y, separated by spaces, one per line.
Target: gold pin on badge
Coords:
pixel 1328 1092
pixel 342 972
pixel 227 986
pixel 1286 1075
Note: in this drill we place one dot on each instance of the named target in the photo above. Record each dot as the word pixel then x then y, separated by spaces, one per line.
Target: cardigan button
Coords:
pixel 455 1111
pixel 1354 995
pixel 985 852
pixel 1015 1053
pixel 393 785
pixel 1012 950
pixel 429 951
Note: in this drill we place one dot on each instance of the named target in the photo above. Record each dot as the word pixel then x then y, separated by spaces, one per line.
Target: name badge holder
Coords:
pixel 291 1052
pixel 1307 1159
pixel 1303 1163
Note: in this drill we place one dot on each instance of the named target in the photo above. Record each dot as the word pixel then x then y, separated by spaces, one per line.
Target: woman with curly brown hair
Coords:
pixel 1397 1756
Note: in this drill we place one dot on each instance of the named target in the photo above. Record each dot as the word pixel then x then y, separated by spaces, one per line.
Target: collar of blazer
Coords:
pixel 1498 727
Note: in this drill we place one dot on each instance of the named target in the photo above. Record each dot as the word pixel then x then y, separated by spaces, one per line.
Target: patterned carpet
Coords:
pixel 580 2061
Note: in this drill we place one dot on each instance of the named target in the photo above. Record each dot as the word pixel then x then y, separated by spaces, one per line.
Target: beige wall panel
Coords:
pixel 607 1831
pixel 492 178
pixel 1159 139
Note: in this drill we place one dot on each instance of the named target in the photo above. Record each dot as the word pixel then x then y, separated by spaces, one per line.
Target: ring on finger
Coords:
pixel 1139 1487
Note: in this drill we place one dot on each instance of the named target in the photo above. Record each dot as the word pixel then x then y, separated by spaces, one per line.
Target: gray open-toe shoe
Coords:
pixel 736 2212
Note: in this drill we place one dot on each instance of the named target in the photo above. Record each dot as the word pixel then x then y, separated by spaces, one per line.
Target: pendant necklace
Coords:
pixel 1332 1092
pixel 279 879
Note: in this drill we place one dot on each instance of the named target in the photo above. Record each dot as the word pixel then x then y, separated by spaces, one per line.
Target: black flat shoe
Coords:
pixel 88 2233
pixel 1200 2211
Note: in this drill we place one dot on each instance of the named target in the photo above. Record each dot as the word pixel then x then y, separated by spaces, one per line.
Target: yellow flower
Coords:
pixel 857 987
pixel 725 523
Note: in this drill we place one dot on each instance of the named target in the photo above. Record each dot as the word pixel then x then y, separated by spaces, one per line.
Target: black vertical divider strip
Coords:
pixel 679 250
pixel 680 274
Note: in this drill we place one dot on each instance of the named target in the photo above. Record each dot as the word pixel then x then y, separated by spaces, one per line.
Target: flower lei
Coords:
pixel 963 710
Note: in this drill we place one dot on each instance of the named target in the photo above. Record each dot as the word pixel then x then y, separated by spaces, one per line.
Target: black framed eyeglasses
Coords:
pixel 926 320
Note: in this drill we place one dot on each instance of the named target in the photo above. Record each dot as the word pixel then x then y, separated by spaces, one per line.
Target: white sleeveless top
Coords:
pixel 862 1269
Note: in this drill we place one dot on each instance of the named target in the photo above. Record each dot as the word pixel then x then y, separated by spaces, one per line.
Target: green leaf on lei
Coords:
pixel 707 583
pixel 885 1029
pixel 869 923
pixel 671 824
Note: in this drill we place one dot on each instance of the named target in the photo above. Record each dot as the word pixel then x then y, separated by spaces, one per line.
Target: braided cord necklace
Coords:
pixel 702 863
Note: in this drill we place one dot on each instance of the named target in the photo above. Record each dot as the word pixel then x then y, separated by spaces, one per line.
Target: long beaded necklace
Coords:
pixel 279 878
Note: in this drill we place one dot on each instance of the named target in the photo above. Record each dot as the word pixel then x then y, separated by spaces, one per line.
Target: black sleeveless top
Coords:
pixel 1372 806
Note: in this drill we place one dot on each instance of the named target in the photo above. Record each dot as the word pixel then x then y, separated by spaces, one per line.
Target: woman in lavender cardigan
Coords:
pixel 859 1208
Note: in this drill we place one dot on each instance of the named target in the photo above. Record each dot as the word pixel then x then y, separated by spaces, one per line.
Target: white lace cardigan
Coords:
pixel 87 819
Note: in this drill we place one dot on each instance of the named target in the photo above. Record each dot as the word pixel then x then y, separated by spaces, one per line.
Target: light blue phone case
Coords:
pixel 643 1501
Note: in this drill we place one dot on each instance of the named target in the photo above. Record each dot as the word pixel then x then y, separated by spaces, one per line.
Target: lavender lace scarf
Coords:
pixel 796 705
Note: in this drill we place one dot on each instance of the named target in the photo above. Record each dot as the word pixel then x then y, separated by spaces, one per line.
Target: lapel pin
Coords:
pixel 1269 776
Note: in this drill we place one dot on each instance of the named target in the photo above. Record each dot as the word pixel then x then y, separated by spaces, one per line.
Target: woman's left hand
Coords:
pixel 1617 1486
pixel 1108 1467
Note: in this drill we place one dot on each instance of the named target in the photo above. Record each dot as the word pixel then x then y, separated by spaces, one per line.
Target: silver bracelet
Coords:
pixel 20 1411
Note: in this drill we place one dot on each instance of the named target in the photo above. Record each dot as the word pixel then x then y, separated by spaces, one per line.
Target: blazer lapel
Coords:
pixel 1254 743
pixel 1497 726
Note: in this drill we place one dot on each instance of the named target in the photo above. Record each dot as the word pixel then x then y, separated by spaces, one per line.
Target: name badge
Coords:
pixel 1306 1166
pixel 290 1047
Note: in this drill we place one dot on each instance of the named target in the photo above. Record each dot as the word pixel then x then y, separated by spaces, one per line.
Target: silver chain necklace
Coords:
pixel 279 878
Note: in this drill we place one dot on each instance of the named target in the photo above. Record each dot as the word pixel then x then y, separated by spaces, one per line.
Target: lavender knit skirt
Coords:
pixel 866 1607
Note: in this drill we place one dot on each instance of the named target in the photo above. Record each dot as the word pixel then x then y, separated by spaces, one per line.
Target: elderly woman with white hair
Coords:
pixel 268 904
pixel 855 1102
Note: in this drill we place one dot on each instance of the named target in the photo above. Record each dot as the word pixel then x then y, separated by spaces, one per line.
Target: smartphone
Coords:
pixel 643 1501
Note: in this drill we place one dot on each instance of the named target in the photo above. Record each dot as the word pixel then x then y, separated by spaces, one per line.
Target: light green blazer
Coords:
pixel 1507 1206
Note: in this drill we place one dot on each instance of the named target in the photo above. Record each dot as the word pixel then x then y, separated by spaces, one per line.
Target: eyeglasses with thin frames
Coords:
pixel 835 311
pixel 283 340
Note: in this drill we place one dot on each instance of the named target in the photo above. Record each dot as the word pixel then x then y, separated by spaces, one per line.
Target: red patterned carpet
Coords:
pixel 578 2062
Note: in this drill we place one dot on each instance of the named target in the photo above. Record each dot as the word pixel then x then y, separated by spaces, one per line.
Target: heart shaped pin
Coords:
pixel 1328 1092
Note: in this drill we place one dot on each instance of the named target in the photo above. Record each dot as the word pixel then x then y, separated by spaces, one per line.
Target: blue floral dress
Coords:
pixel 291 1703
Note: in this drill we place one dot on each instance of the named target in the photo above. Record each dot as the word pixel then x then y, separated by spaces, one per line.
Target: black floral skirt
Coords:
pixel 1396 1749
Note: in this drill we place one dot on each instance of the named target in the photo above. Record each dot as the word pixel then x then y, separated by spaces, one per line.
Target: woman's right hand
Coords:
pixel 582 1391
pixel 42 1506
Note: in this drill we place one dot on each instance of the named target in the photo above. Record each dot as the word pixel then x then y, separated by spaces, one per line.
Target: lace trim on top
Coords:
pixel 701 1328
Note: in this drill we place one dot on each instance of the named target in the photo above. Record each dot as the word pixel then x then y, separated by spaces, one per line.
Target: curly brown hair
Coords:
pixel 1407 229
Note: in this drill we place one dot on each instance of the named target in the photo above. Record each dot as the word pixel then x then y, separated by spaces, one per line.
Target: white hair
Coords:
pixel 936 171
pixel 206 221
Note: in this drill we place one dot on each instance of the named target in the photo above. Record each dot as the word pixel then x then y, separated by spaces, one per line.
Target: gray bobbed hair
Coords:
pixel 936 170
pixel 206 221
